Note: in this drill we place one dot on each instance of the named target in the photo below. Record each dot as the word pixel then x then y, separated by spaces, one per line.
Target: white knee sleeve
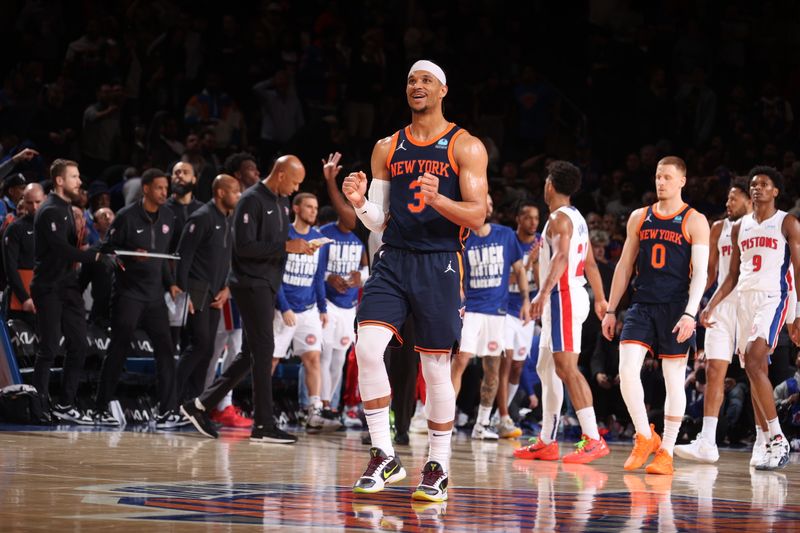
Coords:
pixel 325 375
pixel 373 381
pixel 552 386
pixel 440 405
pixel 631 358
pixel 674 377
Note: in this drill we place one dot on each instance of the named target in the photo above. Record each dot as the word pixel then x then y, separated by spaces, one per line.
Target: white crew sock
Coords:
pixel 775 428
pixel 483 415
pixel 588 422
pixel 671 430
pixel 512 391
pixel 761 437
pixel 709 432
pixel 439 450
pixel 379 431
pixel 315 402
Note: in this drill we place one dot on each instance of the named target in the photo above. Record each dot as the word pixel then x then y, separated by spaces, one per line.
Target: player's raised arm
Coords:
pixel 623 271
pixel 472 160
pixel 371 211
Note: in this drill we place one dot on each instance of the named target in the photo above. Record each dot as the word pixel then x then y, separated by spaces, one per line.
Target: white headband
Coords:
pixel 429 66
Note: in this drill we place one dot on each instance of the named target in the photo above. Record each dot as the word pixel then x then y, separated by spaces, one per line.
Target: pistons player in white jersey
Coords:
pixel 764 266
pixel 563 305
pixel 720 340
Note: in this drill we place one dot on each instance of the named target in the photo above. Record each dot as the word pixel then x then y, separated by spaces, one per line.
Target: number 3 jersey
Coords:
pixel 663 268
pixel 412 224
pixel 765 261
pixel 578 248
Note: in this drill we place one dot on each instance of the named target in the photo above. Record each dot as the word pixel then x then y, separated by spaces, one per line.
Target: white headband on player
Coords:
pixel 429 66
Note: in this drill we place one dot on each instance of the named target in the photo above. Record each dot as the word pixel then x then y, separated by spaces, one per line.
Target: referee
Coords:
pixel 260 247
pixel 55 292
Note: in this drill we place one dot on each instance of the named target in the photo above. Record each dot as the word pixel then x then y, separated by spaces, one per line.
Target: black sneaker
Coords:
pixel 433 487
pixel 104 417
pixel 70 413
pixel 171 420
pixel 199 419
pixel 381 470
pixel 271 435
pixel 401 439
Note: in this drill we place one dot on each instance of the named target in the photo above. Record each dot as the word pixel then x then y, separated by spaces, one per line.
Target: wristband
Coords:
pixel 687 314
pixel 611 312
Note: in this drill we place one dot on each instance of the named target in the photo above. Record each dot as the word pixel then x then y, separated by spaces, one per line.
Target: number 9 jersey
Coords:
pixel 765 262
pixel 412 224
pixel 663 267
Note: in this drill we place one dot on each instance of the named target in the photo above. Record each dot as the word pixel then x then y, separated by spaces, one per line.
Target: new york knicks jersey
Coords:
pixel 765 261
pixel 578 248
pixel 663 268
pixel 413 225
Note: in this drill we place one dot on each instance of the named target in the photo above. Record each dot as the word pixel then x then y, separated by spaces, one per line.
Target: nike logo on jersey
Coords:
pixel 217 227
pixel 30 232
pixel 139 230
pixel 270 211
pixel 400 146
pixel 449 267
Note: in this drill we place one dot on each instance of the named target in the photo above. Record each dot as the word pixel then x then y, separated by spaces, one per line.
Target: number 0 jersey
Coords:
pixel 765 261
pixel 413 225
pixel 578 248
pixel 663 268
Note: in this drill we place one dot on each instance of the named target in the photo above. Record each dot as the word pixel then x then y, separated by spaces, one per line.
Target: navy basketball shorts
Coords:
pixel 425 285
pixel 651 324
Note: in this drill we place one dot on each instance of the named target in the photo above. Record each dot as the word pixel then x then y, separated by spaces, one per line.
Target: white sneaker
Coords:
pixel 698 450
pixel 316 422
pixel 419 424
pixel 759 455
pixel 480 432
pixel 381 470
pixel 778 454
pixel 507 430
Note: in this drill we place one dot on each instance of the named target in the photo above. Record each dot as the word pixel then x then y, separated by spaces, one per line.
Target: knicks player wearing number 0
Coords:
pixel 563 305
pixel 667 243
pixel 428 186
pixel 763 269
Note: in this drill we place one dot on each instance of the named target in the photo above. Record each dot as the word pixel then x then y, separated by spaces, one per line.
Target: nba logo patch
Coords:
pixel 286 211
pixel 191 228
pixel 492 346
pixel 246 218
pixel 345 341
pixel 311 339
pixel 165 229
pixel 53 226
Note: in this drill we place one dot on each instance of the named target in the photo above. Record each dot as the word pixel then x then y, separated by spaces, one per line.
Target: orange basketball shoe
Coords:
pixel 587 450
pixel 538 450
pixel 231 417
pixel 662 464
pixel 642 448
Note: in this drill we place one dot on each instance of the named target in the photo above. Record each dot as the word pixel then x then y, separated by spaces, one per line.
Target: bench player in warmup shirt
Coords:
pixel 763 269
pixel 345 272
pixel 303 309
pixel 428 186
pixel 518 335
pixel 720 339
pixel 565 262
pixel 492 251
pixel 667 242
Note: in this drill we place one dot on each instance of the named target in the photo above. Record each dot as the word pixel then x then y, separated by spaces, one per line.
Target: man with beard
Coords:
pixel 205 251
pixel 138 295
pixel 55 291
pixel 182 203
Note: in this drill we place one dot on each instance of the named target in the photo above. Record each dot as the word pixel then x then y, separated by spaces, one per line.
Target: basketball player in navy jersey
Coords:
pixel 667 243
pixel 764 266
pixel 437 190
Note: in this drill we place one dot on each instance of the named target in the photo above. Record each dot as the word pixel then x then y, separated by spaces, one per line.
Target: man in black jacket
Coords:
pixel 138 296
pixel 261 227
pixel 19 257
pixel 55 292
pixel 205 251
pixel 182 202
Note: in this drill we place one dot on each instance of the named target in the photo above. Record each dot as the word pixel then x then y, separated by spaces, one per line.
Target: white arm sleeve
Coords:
pixel 699 276
pixel 373 212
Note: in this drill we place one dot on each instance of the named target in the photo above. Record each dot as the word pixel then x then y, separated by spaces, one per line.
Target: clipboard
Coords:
pixel 26 275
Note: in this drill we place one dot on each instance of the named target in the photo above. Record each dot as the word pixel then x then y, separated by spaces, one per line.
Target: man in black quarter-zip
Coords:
pixel 260 247
pixel 205 251
pixel 55 293
pixel 138 296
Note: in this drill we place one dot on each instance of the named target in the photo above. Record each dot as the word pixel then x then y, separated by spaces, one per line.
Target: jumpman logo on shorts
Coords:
pixel 449 267
pixel 400 146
